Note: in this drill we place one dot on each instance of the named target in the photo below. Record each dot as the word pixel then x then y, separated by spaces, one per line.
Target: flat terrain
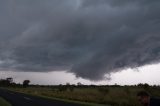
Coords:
pixel 19 99
pixel 96 95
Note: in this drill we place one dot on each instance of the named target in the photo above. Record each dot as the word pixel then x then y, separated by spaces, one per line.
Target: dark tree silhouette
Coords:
pixel 10 80
pixel 6 82
pixel 79 84
pixel 26 83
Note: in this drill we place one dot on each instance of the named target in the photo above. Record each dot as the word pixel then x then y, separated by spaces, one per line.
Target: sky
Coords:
pixel 89 41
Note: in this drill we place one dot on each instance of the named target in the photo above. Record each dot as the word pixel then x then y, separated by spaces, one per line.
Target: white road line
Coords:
pixel 27 98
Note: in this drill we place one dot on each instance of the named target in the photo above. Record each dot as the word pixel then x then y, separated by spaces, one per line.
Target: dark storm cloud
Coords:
pixel 89 38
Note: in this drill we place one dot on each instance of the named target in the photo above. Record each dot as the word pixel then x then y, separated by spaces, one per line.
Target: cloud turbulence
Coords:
pixel 89 38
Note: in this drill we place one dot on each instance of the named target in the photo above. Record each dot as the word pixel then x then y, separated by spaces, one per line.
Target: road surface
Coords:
pixel 20 99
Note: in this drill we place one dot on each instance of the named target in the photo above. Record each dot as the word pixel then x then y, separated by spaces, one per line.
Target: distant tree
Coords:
pixel 67 84
pixel 26 83
pixel 115 85
pixel 154 86
pixel 10 80
pixel 140 85
pixel 6 82
pixel 69 87
pixel 79 84
pixel 145 85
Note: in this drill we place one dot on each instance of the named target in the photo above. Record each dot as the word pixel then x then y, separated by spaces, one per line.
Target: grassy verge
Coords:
pixel 4 103
pixel 59 99
pixel 76 102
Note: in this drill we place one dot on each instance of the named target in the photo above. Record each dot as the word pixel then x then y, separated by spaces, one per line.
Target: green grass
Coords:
pixel 4 102
pixel 113 96
pixel 58 99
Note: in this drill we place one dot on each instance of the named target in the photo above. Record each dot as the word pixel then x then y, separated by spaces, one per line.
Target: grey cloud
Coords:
pixel 89 38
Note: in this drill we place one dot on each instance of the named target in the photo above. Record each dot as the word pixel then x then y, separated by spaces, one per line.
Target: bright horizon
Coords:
pixel 124 77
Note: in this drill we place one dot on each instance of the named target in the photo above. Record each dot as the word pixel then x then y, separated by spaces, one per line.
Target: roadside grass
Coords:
pixel 4 102
pixel 72 101
pixel 59 99
pixel 91 96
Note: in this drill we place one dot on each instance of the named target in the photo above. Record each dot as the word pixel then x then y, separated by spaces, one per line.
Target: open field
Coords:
pixel 114 96
pixel 4 102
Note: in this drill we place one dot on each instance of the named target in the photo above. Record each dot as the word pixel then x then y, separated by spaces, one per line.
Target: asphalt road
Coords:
pixel 20 99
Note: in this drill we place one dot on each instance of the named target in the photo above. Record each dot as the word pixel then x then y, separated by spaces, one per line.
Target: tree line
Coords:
pixel 8 82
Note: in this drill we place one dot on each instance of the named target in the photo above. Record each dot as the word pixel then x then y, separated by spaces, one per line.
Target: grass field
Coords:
pixel 3 102
pixel 114 96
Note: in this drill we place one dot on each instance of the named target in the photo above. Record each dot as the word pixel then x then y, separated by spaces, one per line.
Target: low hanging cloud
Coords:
pixel 89 38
